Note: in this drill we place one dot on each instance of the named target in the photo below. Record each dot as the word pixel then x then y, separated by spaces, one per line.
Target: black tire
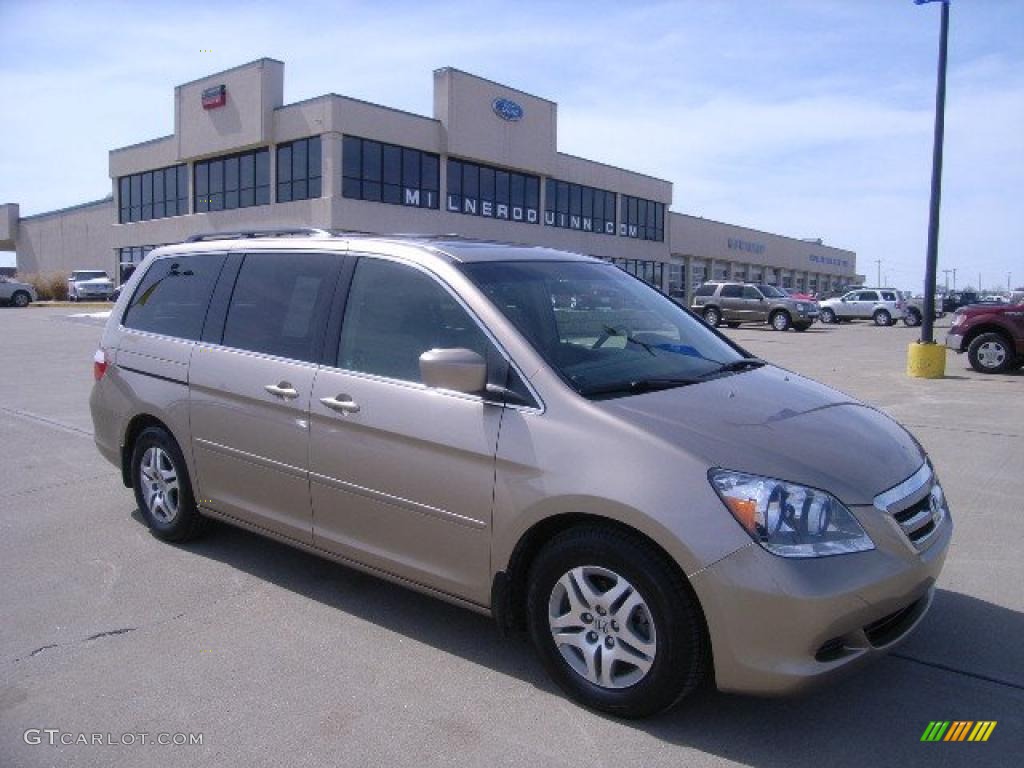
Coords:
pixel 882 318
pixel 681 657
pixel 186 523
pixel 991 353
pixel 912 318
pixel 780 320
pixel 21 299
pixel 828 316
pixel 733 325
pixel 712 317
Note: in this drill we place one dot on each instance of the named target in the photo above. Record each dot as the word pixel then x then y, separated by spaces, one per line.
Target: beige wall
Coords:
pixel 8 226
pixel 707 239
pixel 75 238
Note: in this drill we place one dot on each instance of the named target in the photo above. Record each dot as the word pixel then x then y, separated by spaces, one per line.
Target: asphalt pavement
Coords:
pixel 273 657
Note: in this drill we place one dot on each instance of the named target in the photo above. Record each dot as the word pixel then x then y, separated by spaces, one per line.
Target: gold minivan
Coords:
pixel 532 434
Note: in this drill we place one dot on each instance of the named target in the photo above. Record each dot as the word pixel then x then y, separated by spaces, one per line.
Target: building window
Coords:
pixel 153 194
pixel 298 170
pixel 651 272
pixel 481 190
pixel 642 219
pixel 387 173
pixel 234 181
pixel 573 206
pixel 128 259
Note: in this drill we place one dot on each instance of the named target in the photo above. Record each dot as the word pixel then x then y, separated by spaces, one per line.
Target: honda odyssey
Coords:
pixel 655 506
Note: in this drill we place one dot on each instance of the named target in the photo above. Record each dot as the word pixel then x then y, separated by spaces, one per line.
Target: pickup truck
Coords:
pixel 992 335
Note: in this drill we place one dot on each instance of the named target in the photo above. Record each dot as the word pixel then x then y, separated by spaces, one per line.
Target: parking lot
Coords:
pixel 278 658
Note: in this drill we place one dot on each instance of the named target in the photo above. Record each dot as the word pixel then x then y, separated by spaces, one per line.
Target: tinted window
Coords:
pixel 396 313
pixel 706 290
pixel 867 296
pixel 279 303
pixel 481 190
pixel 173 296
pixel 234 181
pixel 750 292
pixel 387 173
pixel 888 295
pixel 732 291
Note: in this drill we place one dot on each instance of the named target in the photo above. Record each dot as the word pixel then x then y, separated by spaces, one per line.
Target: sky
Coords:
pixel 808 118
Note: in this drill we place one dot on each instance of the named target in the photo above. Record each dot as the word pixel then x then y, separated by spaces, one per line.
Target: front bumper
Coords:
pixel 955 341
pixel 781 625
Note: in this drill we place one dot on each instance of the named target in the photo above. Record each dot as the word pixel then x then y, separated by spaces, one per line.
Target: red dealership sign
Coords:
pixel 215 97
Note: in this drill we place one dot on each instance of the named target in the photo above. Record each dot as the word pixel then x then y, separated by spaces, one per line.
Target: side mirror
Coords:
pixel 460 370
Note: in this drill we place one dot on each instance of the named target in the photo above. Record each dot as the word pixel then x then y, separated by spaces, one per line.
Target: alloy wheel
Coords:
pixel 602 627
pixel 159 479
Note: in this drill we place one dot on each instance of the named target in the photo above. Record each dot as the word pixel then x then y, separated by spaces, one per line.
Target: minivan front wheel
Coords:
pixel 781 321
pixel 882 318
pixel 162 487
pixel 614 624
pixel 712 317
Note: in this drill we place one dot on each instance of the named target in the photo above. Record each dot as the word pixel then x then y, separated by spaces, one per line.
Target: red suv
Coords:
pixel 992 335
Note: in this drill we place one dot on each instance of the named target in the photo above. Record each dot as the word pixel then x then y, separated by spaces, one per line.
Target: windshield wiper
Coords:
pixel 636 386
pixel 742 364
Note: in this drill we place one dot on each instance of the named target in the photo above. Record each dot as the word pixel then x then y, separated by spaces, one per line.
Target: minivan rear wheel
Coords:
pixel 162 487
pixel 614 623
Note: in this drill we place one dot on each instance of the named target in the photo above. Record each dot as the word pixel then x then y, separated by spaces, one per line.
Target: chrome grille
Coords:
pixel 917 505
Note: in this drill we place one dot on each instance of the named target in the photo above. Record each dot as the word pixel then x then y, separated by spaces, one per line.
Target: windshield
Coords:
pixel 90 275
pixel 604 332
pixel 771 291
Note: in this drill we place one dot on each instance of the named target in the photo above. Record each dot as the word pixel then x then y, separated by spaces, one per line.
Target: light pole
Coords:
pixel 878 263
pixel 946 273
pixel 954 279
pixel 929 360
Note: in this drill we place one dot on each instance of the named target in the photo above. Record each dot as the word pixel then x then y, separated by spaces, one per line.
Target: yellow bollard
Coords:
pixel 926 361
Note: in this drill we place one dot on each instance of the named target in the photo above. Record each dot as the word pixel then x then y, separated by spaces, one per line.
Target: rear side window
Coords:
pixel 280 303
pixel 731 291
pixel 706 290
pixel 888 296
pixel 749 292
pixel 173 296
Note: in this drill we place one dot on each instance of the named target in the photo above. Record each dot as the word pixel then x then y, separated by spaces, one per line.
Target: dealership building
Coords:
pixel 485 165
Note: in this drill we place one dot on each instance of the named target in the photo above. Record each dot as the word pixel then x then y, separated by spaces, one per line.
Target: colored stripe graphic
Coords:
pixel 958 730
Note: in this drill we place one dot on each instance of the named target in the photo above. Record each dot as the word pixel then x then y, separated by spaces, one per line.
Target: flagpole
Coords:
pixel 928 322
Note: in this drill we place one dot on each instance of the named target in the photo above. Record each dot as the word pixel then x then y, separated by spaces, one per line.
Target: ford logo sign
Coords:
pixel 507 109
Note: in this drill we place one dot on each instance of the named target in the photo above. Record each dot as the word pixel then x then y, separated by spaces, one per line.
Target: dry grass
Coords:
pixel 51 286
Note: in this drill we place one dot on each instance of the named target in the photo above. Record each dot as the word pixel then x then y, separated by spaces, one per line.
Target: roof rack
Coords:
pixel 290 231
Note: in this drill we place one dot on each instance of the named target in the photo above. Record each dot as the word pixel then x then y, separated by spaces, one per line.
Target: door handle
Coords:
pixel 283 390
pixel 342 404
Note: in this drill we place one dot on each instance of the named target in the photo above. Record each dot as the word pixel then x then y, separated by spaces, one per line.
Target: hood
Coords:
pixel 973 310
pixel 95 281
pixel 776 423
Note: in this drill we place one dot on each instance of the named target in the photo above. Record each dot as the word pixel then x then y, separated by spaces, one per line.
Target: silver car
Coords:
pixel 16 293
pixel 654 505
pixel 89 284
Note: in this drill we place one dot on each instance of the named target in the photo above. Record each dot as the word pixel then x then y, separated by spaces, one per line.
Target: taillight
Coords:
pixel 100 361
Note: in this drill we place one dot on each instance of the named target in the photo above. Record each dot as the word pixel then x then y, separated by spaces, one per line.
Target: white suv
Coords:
pixel 883 305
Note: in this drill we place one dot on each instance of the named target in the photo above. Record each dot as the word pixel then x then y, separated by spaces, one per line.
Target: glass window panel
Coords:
pixel 454 177
pixel 431 178
pixel 410 168
pixel 351 157
pixel 300 160
pixel 487 184
pixel 246 171
pixel 231 199
pixel 371 161
pixel 216 177
pixel 501 184
pixel 470 180
pixel 284 163
pixel 392 165
pixel 173 296
pixel 300 190
pixel 315 187
pixel 391 193
pixel 263 169
pixel 263 195
pixel 351 188
pixel 575 203
pixel 231 173
pixel 246 198
pixel 202 179
pixel 315 161
pixel 532 192
pixel 284 191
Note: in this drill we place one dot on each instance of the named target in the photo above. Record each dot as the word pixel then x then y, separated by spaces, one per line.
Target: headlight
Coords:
pixel 790 520
pixel 801 307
